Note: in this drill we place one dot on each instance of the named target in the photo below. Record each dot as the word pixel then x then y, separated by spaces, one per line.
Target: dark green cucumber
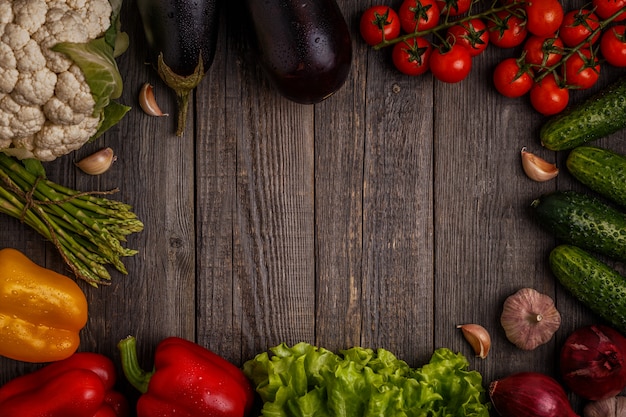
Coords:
pixel 582 220
pixel 598 286
pixel 602 170
pixel 600 115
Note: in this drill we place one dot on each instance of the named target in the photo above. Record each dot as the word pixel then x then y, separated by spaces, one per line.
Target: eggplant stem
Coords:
pixel 182 103
pixel 182 85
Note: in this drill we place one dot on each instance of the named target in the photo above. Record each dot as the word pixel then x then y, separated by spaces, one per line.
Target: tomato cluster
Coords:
pixel 563 51
pixel 560 50
pixel 415 55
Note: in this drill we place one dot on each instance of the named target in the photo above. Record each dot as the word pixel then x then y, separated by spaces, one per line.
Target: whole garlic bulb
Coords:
pixel 529 318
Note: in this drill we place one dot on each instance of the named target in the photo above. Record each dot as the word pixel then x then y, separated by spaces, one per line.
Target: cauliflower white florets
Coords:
pixel 46 108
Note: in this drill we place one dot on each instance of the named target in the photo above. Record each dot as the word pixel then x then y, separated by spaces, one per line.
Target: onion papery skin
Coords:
pixel 593 362
pixel 530 394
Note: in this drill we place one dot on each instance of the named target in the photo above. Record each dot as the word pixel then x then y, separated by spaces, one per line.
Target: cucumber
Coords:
pixel 582 220
pixel 602 170
pixel 591 281
pixel 598 116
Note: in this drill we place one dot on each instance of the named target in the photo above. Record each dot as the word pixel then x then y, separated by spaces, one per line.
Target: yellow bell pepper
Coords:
pixel 41 311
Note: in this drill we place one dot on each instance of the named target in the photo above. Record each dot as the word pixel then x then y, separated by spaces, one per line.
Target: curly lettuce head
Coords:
pixel 307 381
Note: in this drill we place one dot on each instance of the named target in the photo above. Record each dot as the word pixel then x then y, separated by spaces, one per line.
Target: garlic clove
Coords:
pixel 529 318
pixel 536 168
pixel 478 337
pixel 98 162
pixel 147 101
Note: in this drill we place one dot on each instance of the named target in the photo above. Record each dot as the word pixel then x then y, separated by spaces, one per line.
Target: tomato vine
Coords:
pixel 448 23
pixel 568 46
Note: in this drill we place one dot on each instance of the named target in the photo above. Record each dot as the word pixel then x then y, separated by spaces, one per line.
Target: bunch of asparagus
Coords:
pixel 86 227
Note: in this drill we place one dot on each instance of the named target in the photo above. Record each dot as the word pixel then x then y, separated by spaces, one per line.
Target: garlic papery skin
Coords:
pixel 98 162
pixel 148 103
pixel 609 407
pixel 529 318
pixel 536 168
pixel 478 338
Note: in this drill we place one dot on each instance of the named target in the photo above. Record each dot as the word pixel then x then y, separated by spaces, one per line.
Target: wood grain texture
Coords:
pixel 382 217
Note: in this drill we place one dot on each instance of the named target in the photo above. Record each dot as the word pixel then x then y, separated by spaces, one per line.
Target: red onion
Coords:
pixel 593 362
pixel 530 394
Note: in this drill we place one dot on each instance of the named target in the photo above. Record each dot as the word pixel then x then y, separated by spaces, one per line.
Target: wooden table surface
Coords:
pixel 382 217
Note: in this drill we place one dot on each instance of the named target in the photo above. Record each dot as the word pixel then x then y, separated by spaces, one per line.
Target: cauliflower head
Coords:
pixel 47 107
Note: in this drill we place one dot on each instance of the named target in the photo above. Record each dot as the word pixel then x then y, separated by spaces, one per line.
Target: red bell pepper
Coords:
pixel 79 386
pixel 187 381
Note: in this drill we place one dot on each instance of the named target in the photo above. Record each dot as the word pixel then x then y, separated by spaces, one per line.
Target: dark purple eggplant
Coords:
pixel 182 36
pixel 303 46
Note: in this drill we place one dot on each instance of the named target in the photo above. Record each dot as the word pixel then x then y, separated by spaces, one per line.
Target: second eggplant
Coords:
pixel 304 46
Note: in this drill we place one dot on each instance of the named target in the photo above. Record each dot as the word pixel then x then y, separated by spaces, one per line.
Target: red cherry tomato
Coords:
pixel 412 57
pixel 454 7
pixel 543 51
pixel 506 30
pixel 378 22
pixel 473 35
pixel 613 46
pixel 577 27
pixel 451 65
pixel 581 70
pixel 547 97
pixel 607 8
pixel 418 15
pixel 510 79
pixel 543 17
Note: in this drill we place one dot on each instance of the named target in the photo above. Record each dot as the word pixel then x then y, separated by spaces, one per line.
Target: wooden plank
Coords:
pixel 339 153
pixel 263 227
pixel 218 304
pixel 274 229
pixel 486 246
pixel 355 309
pixel 398 264
pixel 154 175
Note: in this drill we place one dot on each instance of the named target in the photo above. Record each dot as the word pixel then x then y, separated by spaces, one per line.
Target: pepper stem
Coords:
pixel 137 377
pixel 182 85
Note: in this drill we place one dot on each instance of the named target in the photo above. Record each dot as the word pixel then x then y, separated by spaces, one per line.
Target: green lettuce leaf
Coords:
pixel 308 381
pixel 96 59
pixel 460 389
